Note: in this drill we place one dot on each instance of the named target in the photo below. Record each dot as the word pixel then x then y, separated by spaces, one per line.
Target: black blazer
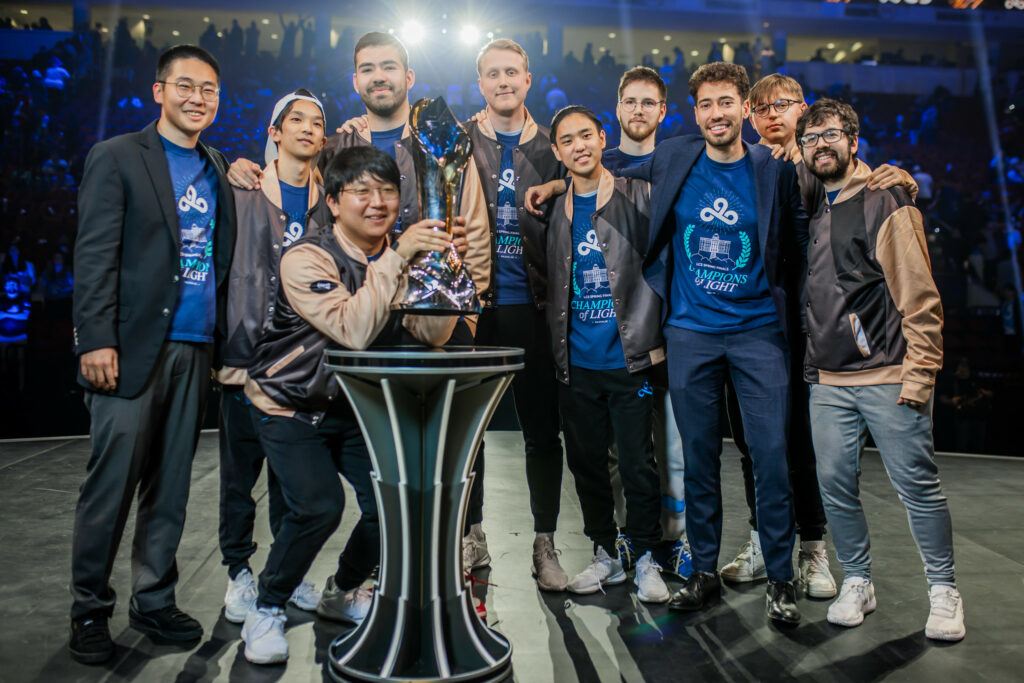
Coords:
pixel 128 249
pixel 781 218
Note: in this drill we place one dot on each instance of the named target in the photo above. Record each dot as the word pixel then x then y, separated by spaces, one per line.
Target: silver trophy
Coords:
pixel 439 282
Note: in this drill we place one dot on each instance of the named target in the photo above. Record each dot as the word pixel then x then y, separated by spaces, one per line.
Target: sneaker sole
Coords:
pixel 235 617
pixel 868 609
pixel 156 632
pixel 613 580
pixel 90 657
pixel 813 592
pixel 550 588
pixel 743 578
pixel 948 637
pixel 272 659
pixel 484 561
pixel 304 606
pixel 655 601
pixel 339 618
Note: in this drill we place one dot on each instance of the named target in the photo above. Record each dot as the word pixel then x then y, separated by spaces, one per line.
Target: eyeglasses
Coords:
pixel 388 193
pixel 780 107
pixel 647 105
pixel 830 136
pixel 186 88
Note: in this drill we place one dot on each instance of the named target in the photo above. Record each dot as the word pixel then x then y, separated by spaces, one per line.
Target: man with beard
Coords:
pixel 874 346
pixel 726 219
pixel 383 78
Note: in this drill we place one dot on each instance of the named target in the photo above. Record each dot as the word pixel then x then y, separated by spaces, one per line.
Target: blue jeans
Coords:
pixel 839 418
pixel 758 362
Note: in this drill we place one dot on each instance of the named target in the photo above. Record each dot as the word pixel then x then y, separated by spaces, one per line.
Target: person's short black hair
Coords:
pixel 568 111
pixel 820 111
pixel 378 39
pixel 291 105
pixel 352 163
pixel 173 54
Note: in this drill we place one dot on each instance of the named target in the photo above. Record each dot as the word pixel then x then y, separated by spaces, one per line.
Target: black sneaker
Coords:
pixel 90 640
pixel 169 623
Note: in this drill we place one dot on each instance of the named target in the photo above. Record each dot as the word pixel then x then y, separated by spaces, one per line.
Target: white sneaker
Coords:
pixel 603 571
pixel 306 596
pixel 856 599
pixel 474 549
pixel 263 633
pixel 946 618
pixel 814 571
pixel 650 587
pixel 240 597
pixel 350 606
pixel 748 565
pixel 546 568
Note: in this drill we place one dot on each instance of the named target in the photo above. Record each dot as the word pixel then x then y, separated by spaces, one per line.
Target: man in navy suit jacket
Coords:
pixel 154 245
pixel 727 221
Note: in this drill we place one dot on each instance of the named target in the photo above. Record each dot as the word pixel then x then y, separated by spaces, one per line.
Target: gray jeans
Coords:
pixel 840 418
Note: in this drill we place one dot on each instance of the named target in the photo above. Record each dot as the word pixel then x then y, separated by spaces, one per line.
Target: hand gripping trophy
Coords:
pixel 438 282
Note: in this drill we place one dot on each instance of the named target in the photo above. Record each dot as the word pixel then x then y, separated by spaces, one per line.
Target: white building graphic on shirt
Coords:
pixel 596 277
pixel 714 247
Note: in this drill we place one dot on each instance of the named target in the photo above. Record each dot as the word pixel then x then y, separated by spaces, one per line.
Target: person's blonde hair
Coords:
pixel 502 44
pixel 761 91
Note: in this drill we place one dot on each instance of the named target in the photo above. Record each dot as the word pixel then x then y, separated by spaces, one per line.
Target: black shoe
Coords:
pixel 90 640
pixel 169 623
pixel 781 602
pixel 699 591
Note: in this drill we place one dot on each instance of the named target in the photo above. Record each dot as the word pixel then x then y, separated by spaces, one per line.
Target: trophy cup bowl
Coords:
pixel 438 282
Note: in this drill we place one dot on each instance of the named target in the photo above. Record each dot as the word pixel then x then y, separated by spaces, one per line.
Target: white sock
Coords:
pixel 756 540
pixel 812 546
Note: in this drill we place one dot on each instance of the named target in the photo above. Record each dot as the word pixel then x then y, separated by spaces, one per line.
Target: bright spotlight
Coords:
pixel 856 46
pixel 412 32
pixel 469 35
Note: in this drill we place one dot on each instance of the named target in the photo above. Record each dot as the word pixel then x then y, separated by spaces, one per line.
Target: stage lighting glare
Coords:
pixel 490 34
pixel 856 46
pixel 24 11
pixel 264 21
pixel 722 41
pixel 831 46
pixel 104 30
pixel 469 35
pixel 655 51
pixel 840 55
pixel 611 35
pixel 273 36
pixel 412 32
pixel 694 53
pixel 175 33
pixel 667 38
pixel 220 34
pixel 146 17
pixel 206 20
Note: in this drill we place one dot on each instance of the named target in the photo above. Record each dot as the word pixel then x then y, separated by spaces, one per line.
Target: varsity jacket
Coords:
pixel 622 224
pixel 533 163
pixel 253 282
pixel 873 311
pixel 471 204
pixel 330 297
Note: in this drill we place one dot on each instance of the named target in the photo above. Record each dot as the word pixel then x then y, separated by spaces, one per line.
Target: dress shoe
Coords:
pixel 699 591
pixel 781 602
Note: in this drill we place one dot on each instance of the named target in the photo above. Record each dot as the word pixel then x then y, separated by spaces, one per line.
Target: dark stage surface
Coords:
pixel 556 637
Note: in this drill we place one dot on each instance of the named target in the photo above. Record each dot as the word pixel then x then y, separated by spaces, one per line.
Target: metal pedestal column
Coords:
pixel 423 413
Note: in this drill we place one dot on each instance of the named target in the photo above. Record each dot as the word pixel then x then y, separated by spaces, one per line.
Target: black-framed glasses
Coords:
pixel 830 136
pixel 780 107
pixel 185 88
pixel 388 193
pixel 630 104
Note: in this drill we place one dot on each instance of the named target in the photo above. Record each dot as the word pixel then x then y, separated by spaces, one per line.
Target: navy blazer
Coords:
pixel 781 218
pixel 128 250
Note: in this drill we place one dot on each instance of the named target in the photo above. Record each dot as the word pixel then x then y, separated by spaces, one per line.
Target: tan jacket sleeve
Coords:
pixel 352 320
pixel 902 252
pixel 478 232
pixel 909 184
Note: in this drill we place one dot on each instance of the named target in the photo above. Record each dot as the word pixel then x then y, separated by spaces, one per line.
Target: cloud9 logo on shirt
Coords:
pixel 507 180
pixel 292 233
pixel 590 245
pixel 716 247
pixel 720 211
pixel 192 200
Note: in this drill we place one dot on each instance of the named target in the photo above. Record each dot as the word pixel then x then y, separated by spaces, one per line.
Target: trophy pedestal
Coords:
pixel 423 413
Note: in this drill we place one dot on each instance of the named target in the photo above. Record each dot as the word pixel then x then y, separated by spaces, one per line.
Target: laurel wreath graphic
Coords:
pixel 686 240
pixel 745 251
pixel 575 284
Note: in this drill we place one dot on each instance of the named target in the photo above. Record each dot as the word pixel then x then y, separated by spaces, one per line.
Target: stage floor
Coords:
pixel 556 637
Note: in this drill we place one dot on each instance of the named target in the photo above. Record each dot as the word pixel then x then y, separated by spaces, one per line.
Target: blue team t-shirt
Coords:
pixel 195 196
pixel 385 140
pixel 832 195
pixel 513 286
pixel 294 203
pixel 718 282
pixel 615 160
pixel 593 331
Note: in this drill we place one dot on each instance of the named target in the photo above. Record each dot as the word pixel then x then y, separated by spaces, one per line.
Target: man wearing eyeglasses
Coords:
pixel 874 347
pixel 640 110
pixel 155 238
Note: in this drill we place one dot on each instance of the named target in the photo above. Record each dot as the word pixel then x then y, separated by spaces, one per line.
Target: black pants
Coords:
pixel 307 461
pixel 591 400
pixel 808 511
pixel 147 443
pixel 535 390
pixel 241 460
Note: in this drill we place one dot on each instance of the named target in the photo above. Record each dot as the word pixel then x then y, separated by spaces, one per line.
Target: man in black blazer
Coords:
pixel 726 222
pixel 155 237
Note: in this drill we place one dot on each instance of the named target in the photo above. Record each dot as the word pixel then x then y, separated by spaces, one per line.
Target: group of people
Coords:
pixel 653 287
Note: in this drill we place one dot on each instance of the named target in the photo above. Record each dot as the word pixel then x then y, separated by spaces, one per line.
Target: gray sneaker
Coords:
pixel 748 565
pixel 350 606
pixel 474 549
pixel 602 571
pixel 546 568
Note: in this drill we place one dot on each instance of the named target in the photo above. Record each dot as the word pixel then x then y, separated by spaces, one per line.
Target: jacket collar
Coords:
pixel 271 185
pixel 155 159
pixel 365 133
pixel 856 184
pixel 605 189
pixel 530 129
pixel 351 248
